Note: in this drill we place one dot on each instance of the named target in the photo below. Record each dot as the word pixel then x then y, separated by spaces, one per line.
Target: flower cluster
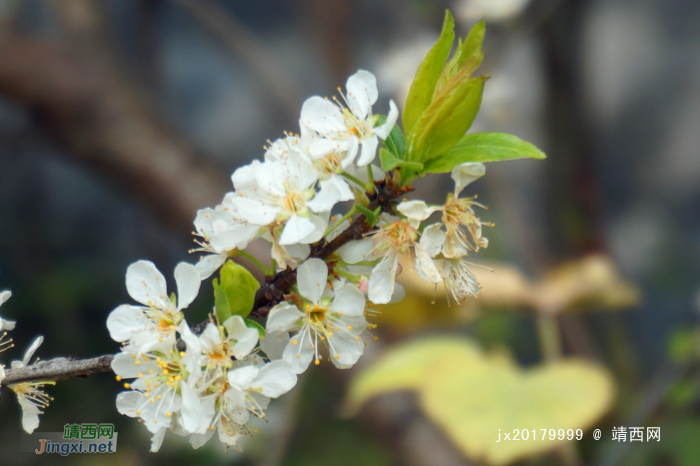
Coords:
pixel 30 395
pixel 221 378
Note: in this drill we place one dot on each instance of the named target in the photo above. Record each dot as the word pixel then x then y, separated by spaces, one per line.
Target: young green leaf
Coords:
pixel 423 86
pixel 468 55
pixel 396 142
pixel 221 306
pixel 390 161
pixel 483 147
pixel 234 293
pixel 447 119
pixel 371 217
pixel 250 323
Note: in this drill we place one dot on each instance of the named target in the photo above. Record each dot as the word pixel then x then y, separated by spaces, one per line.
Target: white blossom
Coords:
pixel 222 232
pixel 5 324
pixel 30 395
pixel 333 128
pixel 153 325
pixel 331 316
pixel 394 238
pixel 281 193
pixel 163 386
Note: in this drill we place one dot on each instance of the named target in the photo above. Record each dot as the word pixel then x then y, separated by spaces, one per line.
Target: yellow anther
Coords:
pixel 349 327
pixel 137 363
pixel 317 362
pixel 118 378
pixel 294 342
pixel 182 354
pixel 126 385
pixel 140 374
pixel 337 356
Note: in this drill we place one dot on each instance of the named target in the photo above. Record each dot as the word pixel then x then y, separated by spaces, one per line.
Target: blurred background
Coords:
pixel 119 119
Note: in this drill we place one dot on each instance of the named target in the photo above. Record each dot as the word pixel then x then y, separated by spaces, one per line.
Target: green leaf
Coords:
pixel 390 161
pixel 483 147
pixel 423 86
pixel 234 293
pixel 468 55
pixel 447 119
pixel 221 305
pixel 372 218
pixel 396 143
pixel 250 323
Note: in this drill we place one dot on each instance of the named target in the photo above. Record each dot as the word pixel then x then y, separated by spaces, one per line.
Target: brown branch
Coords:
pixel 58 369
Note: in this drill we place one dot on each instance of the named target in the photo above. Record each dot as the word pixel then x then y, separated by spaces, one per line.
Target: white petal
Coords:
pixel 296 229
pixel 6 324
pixel 381 281
pixel 299 356
pixel 125 321
pixel 322 116
pixel 361 93
pixel 30 351
pixel 188 281
pixel 127 403
pixel 465 174
pixel 124 365
pixel 383 130
pixel 157 440
pixel 30 415
pixel 191 408
pixel 274 343
pixel 348 349
pixel 283 317
pixel 244 178
pixel 146 284
pixel 246 338
pixel 425 266
pixel 432 239
pixel 399 293
pixel 242 378
pixel 333 190
pixel 199 440
pixel 311 279
pixel 320 222
pixel 349 301
pixel 368 151
pixel 255 211
pixel 4 296
pixel 236 405
pixel 237 237
pixel 275 379
pixel 299 252
pixel 416 210
pixel 356 251
pixel 209 264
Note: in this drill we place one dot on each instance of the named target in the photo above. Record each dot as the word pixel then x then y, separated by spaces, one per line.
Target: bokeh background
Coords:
pixel 119 119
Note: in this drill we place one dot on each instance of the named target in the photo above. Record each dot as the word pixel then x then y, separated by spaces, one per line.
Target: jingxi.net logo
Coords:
pixel 75 438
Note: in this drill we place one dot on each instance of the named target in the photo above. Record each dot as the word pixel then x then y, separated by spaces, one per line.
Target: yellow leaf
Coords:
pixel 590 283
pixel 472 398
pixel 403 367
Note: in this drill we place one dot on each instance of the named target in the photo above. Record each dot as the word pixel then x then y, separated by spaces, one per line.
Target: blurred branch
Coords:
pixel 242 41
pixel 99 119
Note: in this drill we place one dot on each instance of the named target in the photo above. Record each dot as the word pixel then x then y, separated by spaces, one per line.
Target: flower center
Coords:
pixel 316 314
pixel 329 164
pixel 294 202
